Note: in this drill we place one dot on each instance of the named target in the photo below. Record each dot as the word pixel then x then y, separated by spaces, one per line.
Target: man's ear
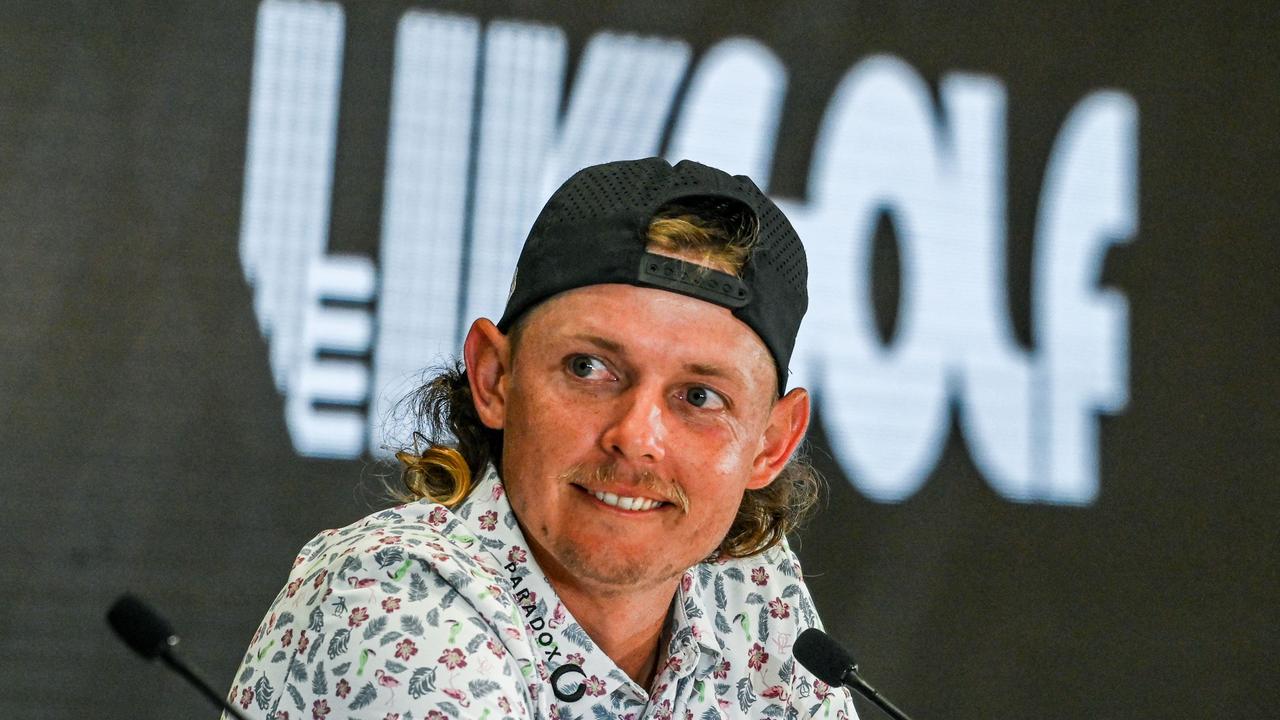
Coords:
pixel 788 421
pixel 487 353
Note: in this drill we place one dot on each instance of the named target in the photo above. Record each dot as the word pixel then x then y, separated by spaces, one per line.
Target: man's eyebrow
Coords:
pixel 716 371
pixel 602 343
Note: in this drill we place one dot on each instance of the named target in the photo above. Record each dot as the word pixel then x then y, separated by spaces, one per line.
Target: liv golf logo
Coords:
pixel 478 139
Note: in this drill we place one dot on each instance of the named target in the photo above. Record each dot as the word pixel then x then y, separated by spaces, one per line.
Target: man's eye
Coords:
pixel 703 397
pixel 584 365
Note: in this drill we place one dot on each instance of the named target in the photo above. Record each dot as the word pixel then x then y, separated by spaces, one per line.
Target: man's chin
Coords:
pixel 620 568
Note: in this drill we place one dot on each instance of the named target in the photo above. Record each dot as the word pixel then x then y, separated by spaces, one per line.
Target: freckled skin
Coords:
pixel 633 409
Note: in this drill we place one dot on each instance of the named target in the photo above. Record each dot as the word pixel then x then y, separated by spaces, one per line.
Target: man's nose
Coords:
pixel 638 431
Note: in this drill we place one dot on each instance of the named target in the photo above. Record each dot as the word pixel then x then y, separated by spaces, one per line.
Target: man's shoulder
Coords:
pixel 421 536
pixel 774 569
pixel 768 588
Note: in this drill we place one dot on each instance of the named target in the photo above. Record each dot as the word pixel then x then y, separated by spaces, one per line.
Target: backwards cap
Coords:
pixel 594 229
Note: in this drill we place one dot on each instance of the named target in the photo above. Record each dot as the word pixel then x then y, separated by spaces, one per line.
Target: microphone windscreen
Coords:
pixel 139 626
pixel 822 656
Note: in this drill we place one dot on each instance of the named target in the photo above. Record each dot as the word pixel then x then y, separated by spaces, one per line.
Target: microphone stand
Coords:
pixel 177 665
pixel 852 680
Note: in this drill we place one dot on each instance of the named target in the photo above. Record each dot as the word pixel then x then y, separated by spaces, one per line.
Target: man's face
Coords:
pixel 634 419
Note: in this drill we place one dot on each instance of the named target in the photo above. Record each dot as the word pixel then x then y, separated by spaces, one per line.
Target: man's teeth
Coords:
pixel 626 503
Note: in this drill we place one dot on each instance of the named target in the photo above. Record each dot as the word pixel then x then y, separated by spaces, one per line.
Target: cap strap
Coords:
pixel 692 279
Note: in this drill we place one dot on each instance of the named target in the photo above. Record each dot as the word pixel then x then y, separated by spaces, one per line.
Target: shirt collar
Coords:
pixel 694 647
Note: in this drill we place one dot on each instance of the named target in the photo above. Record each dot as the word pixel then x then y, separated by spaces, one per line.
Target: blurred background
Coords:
pixel 1042 338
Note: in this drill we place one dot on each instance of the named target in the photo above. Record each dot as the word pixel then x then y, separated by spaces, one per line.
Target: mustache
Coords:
pixel 605 477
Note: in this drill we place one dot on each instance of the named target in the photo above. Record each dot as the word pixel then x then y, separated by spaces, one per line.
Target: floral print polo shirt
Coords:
pixel 423 613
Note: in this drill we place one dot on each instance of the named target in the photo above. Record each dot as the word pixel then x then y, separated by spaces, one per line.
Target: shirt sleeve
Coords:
pixel 377 625
pixel 811 697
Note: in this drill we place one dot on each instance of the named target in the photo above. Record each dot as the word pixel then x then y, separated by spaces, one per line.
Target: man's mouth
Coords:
pixel 626 503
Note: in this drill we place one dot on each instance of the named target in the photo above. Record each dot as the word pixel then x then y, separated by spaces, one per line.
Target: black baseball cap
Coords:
pixel 594 230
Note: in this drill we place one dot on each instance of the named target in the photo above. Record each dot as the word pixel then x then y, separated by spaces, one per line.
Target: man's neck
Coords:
pixel 627 626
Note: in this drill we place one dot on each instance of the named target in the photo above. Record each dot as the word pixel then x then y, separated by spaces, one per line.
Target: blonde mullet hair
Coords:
pixel 440 474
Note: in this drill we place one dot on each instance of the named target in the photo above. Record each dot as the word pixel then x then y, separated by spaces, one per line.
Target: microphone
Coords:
pixel 151 636
pixel 832 664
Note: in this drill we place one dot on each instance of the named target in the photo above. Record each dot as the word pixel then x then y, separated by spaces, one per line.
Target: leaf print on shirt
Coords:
pixel 422 682
pixel 746 696
pixel 375 627
pixel 579 637
pixel 338 644
pixel 364 697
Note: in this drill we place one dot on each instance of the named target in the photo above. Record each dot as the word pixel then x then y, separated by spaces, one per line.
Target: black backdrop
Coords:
pixel 145 447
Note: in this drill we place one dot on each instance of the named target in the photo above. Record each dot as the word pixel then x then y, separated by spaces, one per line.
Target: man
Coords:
pixel 597 526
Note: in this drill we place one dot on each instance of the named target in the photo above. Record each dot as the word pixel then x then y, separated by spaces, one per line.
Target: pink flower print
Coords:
pixel 496 648
pixel 757 656
pixel 357 617
pixel 438 516
pixel 287 639
pixel 343 688
pixel 435 715
pixel 280 715
pixel 319 709
pixel 759 576
pixel 246 698
pixel 516 555
pixel 293 587
pixel 319 579
pixel 453 658
pixel 594 686
pixel 779 608
pixel 821 690
pixel 303 642
pixel 496 493
pixel 391 604
pixel 489 520
pixel 405 649
pixel 722 670
pixel 686 581
pixel 576 658
pixel 504 704
pixel 391 716
pixel 664 711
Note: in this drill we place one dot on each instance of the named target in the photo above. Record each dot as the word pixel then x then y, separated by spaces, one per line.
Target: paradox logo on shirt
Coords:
pixel 537 622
